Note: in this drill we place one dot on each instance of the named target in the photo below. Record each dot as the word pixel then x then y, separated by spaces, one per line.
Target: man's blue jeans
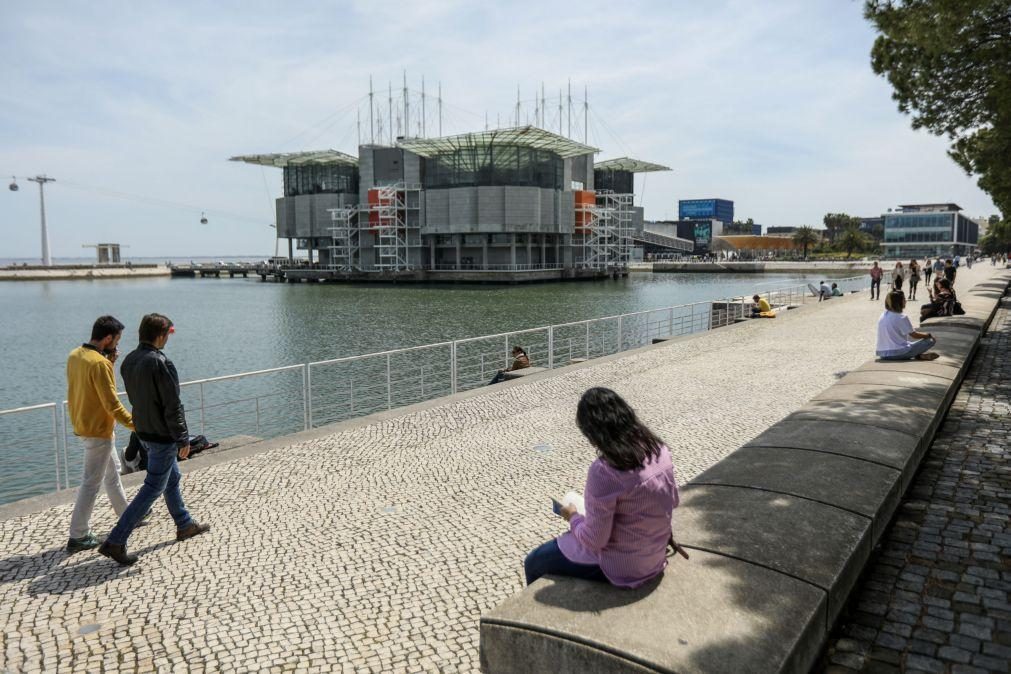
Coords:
pixel 162 478
pixel 548 559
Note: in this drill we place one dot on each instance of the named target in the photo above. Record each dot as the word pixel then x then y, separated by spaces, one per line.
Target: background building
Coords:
pixel 522 201
pixel 928 230
pixel 780 231
pixel 706 209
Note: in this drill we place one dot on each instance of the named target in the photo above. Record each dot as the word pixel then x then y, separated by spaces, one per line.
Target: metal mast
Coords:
pixel 440 109
pixel 372 126
pixel 389 103
pixel 561 132
pixel 407 109
pixel 517 105
pixel 570 108
pixel 586 118
pixel 42 180
pixel 423 134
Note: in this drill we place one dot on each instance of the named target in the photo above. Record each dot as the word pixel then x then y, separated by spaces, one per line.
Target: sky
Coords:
pixel 135 108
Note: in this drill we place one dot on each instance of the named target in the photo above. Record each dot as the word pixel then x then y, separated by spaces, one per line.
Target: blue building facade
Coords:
pixel 706 209
pixel 929 230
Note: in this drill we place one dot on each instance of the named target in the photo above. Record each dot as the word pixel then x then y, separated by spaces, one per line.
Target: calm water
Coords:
pixel 226 326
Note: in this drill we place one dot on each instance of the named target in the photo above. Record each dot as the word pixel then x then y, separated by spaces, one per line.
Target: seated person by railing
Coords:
pixel 520 362
pixel 894 331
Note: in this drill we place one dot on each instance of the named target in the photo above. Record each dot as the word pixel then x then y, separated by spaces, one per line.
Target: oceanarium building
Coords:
pixel 514 204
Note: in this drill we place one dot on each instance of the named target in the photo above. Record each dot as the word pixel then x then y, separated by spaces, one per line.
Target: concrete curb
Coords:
pixel 797 510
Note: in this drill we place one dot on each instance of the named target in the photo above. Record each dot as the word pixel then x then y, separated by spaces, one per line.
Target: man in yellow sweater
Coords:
pixel 94 409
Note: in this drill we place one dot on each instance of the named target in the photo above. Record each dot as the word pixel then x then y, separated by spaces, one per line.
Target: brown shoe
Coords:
pixel 194 529
pixel 117 553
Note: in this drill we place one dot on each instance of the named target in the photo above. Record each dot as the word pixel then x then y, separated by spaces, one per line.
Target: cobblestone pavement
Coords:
pixel 937 597
pixel 377 548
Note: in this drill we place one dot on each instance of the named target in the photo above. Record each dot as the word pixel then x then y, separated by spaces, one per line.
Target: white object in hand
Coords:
pixel 576 500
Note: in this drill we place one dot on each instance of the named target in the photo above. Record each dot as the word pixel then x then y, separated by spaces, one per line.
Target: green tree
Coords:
pixel 836 223
pixel 851 239
pixel 949 63
pixel 806 236
pixel 997 238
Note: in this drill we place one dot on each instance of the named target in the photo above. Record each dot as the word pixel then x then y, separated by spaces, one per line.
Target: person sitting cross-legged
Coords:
pixel 895 331
pixel 760 307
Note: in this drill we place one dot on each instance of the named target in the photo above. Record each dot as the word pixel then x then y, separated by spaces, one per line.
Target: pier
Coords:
pixel 214 270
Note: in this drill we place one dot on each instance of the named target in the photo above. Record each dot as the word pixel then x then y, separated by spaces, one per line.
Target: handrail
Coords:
pixel 40 406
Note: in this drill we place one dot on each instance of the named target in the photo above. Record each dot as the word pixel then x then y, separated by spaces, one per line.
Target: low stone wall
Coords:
pixel 779 533
pixel 79 272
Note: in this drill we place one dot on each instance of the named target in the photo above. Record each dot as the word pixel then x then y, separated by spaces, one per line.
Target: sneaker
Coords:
pixel 194 529
pixel 88 542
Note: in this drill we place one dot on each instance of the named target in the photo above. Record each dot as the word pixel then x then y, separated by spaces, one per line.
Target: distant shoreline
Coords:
pixel 80 272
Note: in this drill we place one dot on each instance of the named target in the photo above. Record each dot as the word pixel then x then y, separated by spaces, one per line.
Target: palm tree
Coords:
pixel 806 236
pixel 851 239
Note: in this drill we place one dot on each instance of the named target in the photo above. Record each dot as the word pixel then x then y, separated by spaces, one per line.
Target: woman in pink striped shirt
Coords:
pixel 630 495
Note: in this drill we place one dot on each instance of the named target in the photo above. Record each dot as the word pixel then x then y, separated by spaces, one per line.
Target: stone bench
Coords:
pixel 525 372
pixel 779 532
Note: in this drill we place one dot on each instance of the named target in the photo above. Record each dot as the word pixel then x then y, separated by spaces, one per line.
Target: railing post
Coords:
pixel 63 421
pixel 389 386
pixel 587 340
pixel 693 319
pixel 257 401
pixel 306 395
pixel 621 332
pixel 202 408
pixel 482 367
pixel 56 449
pixel 452 367
pixel 422 381
pixel 551 346
pixel 351 395
pixel 670 322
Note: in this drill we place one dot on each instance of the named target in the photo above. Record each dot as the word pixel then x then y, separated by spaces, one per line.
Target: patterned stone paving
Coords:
pixel 377 548
pixel 938 597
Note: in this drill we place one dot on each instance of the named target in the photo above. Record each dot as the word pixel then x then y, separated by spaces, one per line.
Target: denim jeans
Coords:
pixel 548 559
pixel 913 350
pixel 875 285
pixel 162 478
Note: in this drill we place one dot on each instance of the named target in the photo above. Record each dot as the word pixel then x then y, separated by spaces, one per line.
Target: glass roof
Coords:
pixel 525 136
pixel 310 158
pixel 627 164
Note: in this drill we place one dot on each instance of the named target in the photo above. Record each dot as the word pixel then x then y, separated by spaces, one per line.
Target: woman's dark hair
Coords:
pixel 153 327
pixel 520 349
pixel 611 426
pixel 105 326
pixel 944 283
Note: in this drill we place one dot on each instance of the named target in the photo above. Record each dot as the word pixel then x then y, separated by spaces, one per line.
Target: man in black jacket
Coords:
pixel 152 385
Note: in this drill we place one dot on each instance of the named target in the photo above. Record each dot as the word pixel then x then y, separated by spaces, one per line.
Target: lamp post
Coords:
pixel 41 180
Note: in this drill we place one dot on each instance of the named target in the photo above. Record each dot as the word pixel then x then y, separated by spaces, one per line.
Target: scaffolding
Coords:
pixel 394 216
pixel 345 247
pixel 603 229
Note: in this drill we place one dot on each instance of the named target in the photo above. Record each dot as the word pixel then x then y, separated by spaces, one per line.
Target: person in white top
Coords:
pixel 898 275
pixel 895 331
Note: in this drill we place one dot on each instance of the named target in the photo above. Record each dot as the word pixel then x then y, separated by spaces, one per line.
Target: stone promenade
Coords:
pixel 938 598
pixel 377 547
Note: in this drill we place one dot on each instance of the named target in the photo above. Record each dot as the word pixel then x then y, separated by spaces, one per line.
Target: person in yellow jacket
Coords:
pixel 760 306
pixel 94 409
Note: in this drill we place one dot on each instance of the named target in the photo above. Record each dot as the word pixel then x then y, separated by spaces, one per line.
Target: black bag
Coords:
pixel 956 309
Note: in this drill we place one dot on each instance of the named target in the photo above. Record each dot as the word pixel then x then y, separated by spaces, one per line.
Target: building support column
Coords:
pixel 512 250
pixel 431 253
pixel 291 250
pixel 530 261
pixel 458 240
pixel 484 253
pixel 544 249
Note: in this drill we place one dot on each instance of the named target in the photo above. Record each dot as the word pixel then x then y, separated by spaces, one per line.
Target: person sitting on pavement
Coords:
pixel 520 362
pixel 824 291
pixel 895 331
pixel 836 292
pixel 760 307
pixel 630 495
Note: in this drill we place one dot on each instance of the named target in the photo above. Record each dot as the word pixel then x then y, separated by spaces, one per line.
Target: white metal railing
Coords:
pixel 282 400
pixel 471 266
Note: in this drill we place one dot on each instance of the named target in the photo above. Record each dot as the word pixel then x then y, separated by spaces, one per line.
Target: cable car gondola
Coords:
pixel 13 187
pixel 203 218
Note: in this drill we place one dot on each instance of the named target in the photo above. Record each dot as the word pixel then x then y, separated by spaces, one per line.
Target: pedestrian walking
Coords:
pixel 152 384
pixel 914 278
pixel 94 409
pixel 898 275
pixel 928 269
pixel 876 274
pixel 950 272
